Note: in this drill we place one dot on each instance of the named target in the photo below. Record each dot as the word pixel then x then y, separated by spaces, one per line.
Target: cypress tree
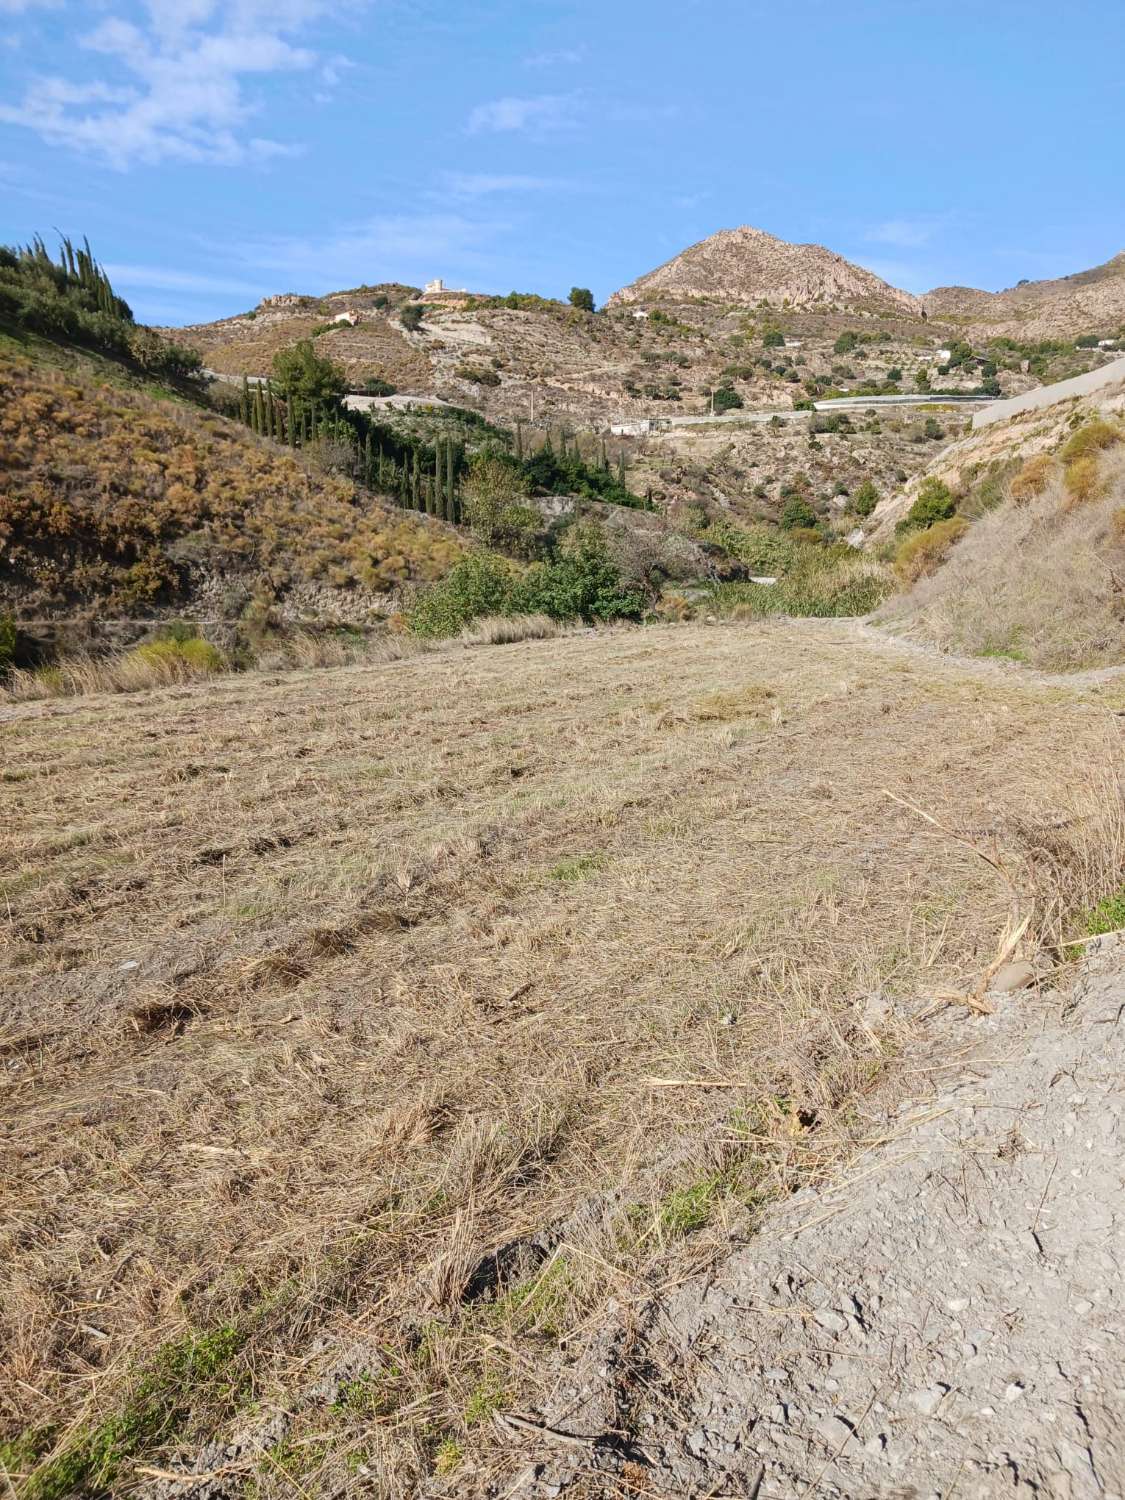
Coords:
pixel 290 422
pixel 621 468
pixel 519 440
pixel 244 403
pixel 605 458
pixel 450 482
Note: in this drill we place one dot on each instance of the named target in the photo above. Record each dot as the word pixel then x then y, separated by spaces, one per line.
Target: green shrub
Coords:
pixel 845 343
pixel 302 373
pixel 480 584
pixel 773 338
pixel 865 499
pixel 583 582
pixel 934 503
pixel 176 658
pixel 725 398
pixel 477 376
pixel 796 512
pixel 1090 440
pixel 824 582
pixel 7 641
pixel 582 298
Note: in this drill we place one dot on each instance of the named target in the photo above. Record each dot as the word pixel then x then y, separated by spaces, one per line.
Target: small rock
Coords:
pixel 835 1430
pixel 1014 1390
pixel 928 1400
pixel 1014 976
pixel 877 1443
pixel 132 963
pixel 828 1318
pixel 957 1304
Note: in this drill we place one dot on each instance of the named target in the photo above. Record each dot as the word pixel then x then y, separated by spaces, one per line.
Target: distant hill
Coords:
pixel 747 265
pixel 1087 302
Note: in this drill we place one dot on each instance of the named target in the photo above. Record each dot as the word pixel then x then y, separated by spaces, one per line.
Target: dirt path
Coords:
pixel 946 1320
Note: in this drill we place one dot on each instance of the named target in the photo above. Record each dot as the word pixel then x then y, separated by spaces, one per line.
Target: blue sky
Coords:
pixel 216 151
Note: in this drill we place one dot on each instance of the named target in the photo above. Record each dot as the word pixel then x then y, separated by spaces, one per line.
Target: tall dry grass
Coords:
pixel 1040 579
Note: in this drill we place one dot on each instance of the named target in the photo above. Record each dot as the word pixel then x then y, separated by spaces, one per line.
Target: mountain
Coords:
pixel 747 265
pixel 1090 301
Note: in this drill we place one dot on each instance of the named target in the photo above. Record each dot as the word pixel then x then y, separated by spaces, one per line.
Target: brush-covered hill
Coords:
pixel 1012 544
pixel 1087 302
pixel 118 500
pixel 748 266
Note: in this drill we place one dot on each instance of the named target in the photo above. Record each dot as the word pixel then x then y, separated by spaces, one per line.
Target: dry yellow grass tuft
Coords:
pixel 365 1029
pixel 1033 478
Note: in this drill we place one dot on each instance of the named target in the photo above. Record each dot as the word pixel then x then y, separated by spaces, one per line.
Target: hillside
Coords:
pixel 1090 301
pixel 117 503
pixel 748 266
pixel 1031 565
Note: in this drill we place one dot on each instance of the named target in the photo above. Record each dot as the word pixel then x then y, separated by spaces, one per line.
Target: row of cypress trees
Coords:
pixel 418 479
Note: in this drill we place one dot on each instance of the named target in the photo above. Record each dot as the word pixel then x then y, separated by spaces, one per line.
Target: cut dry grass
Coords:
pixel 365 1029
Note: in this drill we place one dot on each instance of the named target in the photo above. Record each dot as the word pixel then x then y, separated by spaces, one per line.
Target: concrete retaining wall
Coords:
pixel 1051 395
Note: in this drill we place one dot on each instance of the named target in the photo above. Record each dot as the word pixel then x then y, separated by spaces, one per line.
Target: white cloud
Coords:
pixel 173 86
pixel 907 234
pixel 483 184
pixel 563 58
pixel 544 114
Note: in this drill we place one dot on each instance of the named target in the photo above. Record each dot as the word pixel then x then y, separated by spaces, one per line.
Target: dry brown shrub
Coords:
pixel 1033 478
pixel 1081 480
pixel 925 551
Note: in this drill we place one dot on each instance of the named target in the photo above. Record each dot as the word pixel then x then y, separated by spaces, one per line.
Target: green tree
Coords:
pixel 410 316
pixel 846 342
pixel 302 373
pixel 725 398
pixel 494 497
pixel 773 338
pixel 582 298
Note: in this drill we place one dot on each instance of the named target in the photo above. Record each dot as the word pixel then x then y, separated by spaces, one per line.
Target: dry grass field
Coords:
pixel 321 988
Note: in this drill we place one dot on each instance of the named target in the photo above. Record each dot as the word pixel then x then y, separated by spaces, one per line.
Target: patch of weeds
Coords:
pixel 19 1455
pixel 448 1457
pixel 487 1398
pixel 369 1395
pixel 1108 915
pixel 685 1210
pixel 579 867
pixel 540 1305
pixel 191 1371
pixel 296 1457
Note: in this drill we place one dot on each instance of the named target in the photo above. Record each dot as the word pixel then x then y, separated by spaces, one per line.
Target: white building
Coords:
pixel 350 318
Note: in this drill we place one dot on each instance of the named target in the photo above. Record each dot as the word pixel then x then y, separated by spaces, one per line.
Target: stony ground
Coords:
pixel 945 1319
